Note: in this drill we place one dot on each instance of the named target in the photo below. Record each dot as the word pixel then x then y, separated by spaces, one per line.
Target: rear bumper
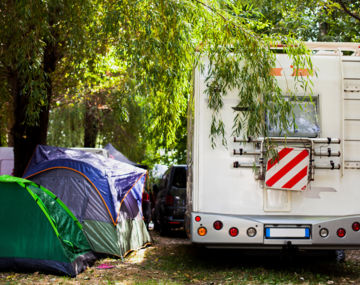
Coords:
pixel 299 231
pixel 174 216
pixel 172 222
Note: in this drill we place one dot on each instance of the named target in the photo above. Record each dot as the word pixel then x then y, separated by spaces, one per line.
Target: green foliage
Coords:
pixel 167 40
pixel 131 63
pixel 156 43
pixel 28 27
pixel 315 20
pixel 65 127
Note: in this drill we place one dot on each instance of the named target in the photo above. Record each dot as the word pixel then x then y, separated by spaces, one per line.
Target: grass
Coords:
pixel 176 261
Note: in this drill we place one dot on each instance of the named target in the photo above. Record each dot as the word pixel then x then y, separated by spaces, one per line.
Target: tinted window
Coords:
pixel 164 179
pixel 179 179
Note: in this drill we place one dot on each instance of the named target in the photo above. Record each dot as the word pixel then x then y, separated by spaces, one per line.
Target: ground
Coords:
pixel 174 260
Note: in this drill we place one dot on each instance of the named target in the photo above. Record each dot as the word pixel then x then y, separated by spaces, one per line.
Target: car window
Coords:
pixel 179 179
pixel 165 179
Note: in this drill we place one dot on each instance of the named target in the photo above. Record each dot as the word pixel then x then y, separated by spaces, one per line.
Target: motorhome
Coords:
pixel 309 196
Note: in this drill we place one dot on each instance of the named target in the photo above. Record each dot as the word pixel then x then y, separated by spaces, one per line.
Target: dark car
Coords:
pixel 170 203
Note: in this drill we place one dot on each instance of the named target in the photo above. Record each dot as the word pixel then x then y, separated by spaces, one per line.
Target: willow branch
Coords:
pixel 215 11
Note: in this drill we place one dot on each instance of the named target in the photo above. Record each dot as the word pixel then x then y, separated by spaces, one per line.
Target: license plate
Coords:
pixel 294 233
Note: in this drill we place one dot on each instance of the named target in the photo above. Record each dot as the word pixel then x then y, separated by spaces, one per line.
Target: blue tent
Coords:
pixel 115 154
pixel 104 194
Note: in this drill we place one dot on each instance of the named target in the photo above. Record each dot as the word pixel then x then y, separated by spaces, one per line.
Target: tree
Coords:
pixel 177 34
pixel 157 43
pixel 149 37
pixel 35 37
pixel 352 8
pixel 315 20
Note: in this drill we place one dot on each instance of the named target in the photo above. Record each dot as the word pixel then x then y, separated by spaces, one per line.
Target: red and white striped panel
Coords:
pixel 289 171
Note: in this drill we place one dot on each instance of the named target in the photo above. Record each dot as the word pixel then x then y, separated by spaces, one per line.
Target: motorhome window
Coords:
pixel 306 114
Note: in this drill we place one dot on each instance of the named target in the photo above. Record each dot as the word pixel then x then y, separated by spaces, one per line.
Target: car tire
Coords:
pixel 156 225
pixel 164 230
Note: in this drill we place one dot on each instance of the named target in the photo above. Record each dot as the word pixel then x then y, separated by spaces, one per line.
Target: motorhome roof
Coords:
pixel 329 46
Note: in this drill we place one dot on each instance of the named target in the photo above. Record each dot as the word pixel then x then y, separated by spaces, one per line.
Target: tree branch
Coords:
pixel 346 10
pixel 215 11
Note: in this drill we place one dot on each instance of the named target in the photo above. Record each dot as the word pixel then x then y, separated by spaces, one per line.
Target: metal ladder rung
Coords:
pixel 351 78
pixel 350 60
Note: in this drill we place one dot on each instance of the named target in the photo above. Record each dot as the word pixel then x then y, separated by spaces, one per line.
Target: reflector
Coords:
pixel 218 225
pixel 356 226
pixel 169 200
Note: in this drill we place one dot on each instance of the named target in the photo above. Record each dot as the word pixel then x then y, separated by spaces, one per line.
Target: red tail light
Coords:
pixel 169 200
pixel 341 232
pixel 145 196
pixel 356 226
pixel 233 232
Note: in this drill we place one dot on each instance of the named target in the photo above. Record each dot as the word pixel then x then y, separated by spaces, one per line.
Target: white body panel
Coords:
pixel 220 189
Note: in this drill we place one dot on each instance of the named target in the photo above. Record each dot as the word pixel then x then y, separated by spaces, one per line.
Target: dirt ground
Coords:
pixel 174 260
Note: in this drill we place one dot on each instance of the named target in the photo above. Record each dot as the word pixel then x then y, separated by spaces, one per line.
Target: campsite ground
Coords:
pixel 173 260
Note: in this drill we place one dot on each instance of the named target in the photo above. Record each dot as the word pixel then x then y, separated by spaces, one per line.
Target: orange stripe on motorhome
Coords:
pixel 69 168
pixel 276 71
pixel 300 71
pixel 117 218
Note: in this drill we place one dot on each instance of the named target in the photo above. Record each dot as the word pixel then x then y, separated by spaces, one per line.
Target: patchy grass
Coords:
pixel 173 260
pixel 186 264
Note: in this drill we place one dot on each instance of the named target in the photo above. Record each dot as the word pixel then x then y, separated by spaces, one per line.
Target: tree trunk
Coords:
pixel 27 136
pixel 91 125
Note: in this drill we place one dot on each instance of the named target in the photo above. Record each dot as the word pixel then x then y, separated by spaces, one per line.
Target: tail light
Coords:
pixel 145 196
pixel 356 226
pixel 169 200
pixel 218 225
pixel 341 232
pixel 202 231
pixel 233 232
pixel 198 218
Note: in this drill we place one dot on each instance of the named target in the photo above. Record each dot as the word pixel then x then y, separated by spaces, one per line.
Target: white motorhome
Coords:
pixel 310 197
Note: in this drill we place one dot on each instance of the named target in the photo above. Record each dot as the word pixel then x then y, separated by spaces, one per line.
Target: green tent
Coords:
pixel 38 232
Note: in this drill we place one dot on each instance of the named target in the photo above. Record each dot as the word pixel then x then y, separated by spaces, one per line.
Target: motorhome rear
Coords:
pixel 310 196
